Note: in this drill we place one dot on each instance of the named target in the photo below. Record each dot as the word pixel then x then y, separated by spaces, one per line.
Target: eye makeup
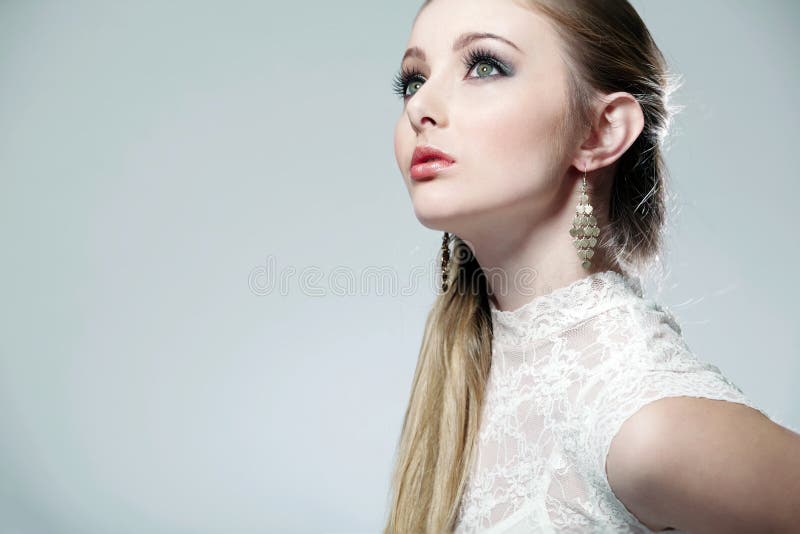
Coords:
pixel 410 75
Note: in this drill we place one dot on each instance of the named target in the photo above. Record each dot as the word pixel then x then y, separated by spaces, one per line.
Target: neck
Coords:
pixel 524 259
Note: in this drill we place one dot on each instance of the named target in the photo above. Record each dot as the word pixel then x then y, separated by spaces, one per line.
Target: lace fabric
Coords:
pixel 568 368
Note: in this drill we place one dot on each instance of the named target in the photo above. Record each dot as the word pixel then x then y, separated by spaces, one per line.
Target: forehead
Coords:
pixel 441 22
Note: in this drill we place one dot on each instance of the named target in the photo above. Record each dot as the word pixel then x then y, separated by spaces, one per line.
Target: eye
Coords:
pixel 485 60
pixel 406 79
pixel 485 69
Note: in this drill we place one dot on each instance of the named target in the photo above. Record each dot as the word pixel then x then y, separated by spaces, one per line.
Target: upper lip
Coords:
pixel 423 153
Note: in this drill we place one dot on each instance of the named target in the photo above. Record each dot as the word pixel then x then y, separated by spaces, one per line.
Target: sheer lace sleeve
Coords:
pixel 654 362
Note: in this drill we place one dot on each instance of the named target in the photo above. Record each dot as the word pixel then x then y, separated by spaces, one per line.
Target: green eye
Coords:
pixel 409 80
pixel 415 85
pixel 485 63
pixel 405 80
pixel 484 68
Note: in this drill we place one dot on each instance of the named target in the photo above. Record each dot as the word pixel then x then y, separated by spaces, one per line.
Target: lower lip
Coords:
pixel 421 171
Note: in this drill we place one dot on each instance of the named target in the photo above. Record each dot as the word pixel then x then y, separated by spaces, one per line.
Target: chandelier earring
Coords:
pixel 584 227
pixel 445 259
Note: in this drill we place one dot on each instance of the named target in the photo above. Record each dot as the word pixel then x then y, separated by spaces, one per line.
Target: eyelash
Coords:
pixel 475 56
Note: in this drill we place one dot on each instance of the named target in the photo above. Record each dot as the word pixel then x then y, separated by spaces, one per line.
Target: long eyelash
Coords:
pixel 478 55
pixel 475 56
pixel 402 79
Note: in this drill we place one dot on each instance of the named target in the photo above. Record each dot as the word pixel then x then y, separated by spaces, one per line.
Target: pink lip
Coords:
pixel 428 161
pixel 429 169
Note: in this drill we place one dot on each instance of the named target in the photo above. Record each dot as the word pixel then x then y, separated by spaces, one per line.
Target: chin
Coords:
pixel 449 209
pixel 433 221
pixel 443 220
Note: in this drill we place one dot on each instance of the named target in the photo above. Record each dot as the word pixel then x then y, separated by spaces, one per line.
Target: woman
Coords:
pixel 550 395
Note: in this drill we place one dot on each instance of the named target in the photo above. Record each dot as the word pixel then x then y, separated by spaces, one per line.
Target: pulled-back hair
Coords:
pixel 607 49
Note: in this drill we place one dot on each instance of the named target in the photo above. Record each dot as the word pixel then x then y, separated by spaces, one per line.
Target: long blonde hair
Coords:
pixel 607 48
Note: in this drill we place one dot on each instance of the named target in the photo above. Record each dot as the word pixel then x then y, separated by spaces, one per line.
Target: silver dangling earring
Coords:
pixel 445 259
pixel 584 227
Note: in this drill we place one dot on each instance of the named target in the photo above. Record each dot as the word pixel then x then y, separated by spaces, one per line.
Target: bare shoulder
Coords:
pixel 705 465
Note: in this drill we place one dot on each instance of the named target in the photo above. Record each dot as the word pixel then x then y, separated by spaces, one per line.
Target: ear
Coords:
pixel 617 122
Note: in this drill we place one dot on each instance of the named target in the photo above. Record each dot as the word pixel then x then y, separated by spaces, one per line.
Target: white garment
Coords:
pixel 568 368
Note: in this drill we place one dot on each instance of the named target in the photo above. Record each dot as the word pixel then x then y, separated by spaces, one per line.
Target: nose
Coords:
pixel 427 107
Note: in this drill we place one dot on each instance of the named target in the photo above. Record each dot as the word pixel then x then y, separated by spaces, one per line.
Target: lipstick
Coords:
pixel 428 161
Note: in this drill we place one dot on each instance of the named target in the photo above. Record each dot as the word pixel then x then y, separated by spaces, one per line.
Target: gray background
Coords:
pixel 155 157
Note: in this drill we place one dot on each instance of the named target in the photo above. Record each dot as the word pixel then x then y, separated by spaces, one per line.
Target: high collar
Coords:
pixel 563 307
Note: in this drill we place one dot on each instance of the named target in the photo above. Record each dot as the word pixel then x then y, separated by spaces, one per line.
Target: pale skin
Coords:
pixel 691 464
pixel 512 192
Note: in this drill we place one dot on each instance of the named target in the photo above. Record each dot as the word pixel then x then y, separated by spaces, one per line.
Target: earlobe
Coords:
pixel 618 122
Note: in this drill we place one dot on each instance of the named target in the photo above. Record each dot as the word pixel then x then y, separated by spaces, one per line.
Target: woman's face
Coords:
pixel 500 122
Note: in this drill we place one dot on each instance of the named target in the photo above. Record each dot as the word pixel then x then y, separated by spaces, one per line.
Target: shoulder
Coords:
pixel 640 331
pixel 646 356
pixel 703 464
pixel 652 319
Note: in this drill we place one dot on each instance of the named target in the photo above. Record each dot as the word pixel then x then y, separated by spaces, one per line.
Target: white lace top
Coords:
pixel 568 368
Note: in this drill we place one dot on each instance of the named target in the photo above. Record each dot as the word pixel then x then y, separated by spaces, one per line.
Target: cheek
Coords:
pixel 398 142
pixel 403 145
pixel 513 144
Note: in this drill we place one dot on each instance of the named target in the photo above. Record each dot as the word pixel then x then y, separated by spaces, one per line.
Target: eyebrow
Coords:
pixel 460 43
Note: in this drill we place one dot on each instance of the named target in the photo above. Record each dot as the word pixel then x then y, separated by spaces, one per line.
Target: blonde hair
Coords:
pixel 607 48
